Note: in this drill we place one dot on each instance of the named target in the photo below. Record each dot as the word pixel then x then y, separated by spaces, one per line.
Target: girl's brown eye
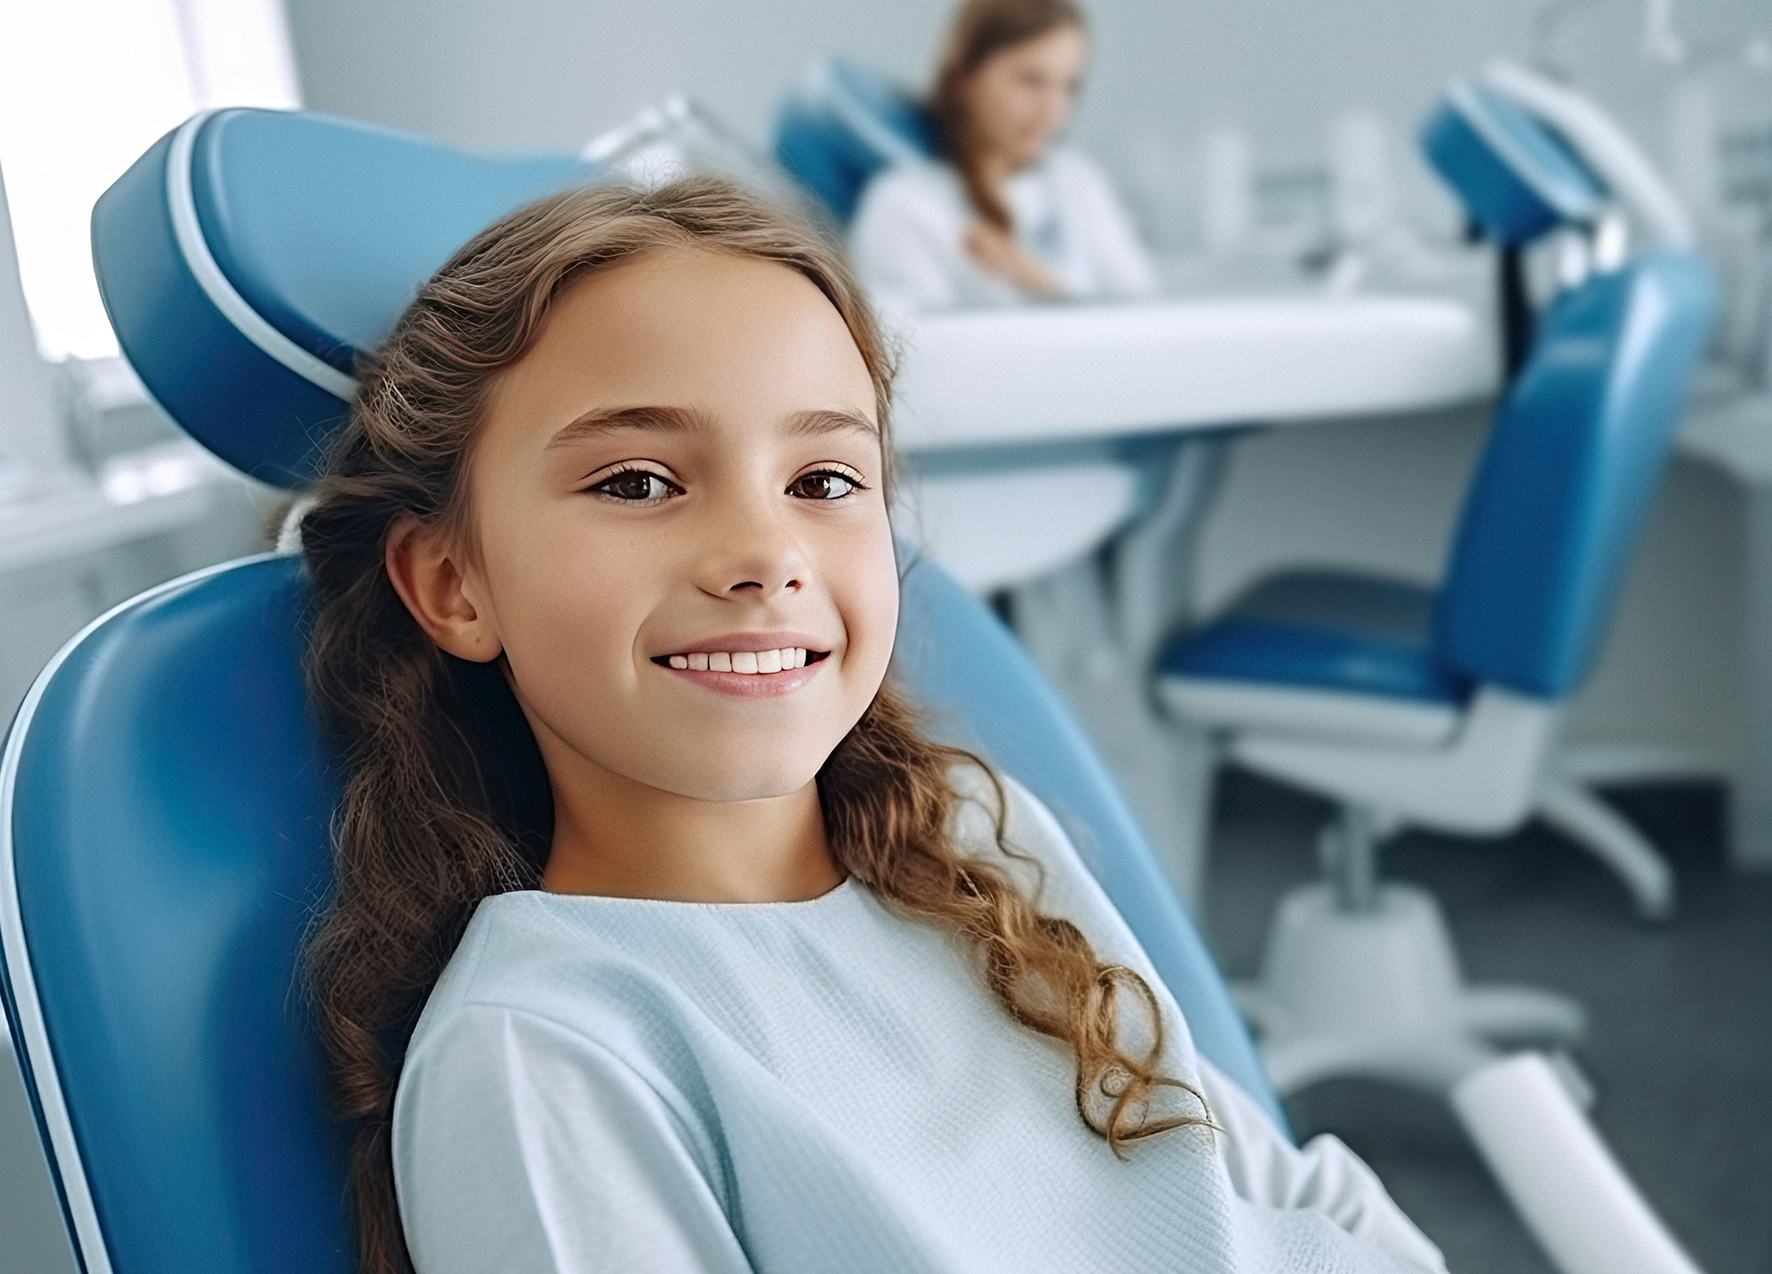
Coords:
pixel 635 485
pixel 826 484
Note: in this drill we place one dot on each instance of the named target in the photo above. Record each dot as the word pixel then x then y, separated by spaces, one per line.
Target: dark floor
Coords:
pixel 1681 1041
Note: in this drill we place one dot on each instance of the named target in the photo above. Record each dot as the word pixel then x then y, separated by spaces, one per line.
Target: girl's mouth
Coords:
pixel 745 662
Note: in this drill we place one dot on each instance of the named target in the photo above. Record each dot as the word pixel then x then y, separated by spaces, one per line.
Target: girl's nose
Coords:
pixel 790 586
pixel 752 555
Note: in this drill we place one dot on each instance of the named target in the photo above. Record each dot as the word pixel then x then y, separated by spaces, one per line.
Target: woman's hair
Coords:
pixel 444 799
pixel 980 30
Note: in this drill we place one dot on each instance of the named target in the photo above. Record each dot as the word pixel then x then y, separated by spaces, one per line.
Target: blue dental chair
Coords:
pixel 1439 708
pixel 164 801
pixel 842 125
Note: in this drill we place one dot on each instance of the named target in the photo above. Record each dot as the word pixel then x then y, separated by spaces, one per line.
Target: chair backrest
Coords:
pixel 1516 177
pixel 163 830
pixel 842 125
pixel 164 812
pixel 250 255
pixel 1574 456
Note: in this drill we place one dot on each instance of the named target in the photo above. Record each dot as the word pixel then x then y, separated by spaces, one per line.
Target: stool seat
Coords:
pixel 1327 630
pixel 1318 652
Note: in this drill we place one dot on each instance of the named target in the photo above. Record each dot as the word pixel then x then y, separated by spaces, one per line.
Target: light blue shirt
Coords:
pixel 620 1084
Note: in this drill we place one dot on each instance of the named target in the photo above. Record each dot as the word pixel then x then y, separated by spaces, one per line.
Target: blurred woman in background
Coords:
pixel 1005 215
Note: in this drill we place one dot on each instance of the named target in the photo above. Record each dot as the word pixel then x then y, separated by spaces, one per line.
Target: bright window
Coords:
pixel 85 87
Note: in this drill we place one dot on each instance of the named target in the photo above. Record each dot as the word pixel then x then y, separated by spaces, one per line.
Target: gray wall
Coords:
pixel 553 73
pixel 27 399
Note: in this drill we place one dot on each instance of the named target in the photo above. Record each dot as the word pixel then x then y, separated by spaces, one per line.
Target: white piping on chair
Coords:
pixel 33 1031
pixel 181 205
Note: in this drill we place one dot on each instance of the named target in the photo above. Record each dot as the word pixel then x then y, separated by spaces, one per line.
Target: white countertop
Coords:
pixel 1053 373
pixel 52 518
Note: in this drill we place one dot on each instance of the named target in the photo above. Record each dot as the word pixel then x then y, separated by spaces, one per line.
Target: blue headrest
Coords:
pixel 1573 458
pixel 250 255
pixel 842 125
pixel 164 810
pixel 1516 177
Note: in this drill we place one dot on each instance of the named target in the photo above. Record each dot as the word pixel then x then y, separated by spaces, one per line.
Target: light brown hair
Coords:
pixel 980 30
pixel 444 801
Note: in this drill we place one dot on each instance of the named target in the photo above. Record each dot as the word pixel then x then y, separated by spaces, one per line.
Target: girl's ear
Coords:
pixel 427 572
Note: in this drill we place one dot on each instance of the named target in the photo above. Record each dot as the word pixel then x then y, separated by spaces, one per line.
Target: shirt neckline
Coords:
pixel 847 886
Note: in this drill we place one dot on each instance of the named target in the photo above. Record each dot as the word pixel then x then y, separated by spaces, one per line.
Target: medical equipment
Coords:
pixel 163 799
pixel 1415 708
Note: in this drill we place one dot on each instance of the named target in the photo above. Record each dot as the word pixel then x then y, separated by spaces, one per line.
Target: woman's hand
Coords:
pixel 997 251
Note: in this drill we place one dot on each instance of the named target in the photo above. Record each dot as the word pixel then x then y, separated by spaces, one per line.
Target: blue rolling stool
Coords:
pixel 1439 708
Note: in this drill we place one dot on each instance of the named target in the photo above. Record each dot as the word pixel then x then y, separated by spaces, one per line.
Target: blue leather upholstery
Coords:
pixel 168 819
pixel 841 126
pixel 1516 177
pixel 168 831
pixel 322 227
pixel 1326 630
pixel 1573 459
pixel 1563 485
pixel 332 263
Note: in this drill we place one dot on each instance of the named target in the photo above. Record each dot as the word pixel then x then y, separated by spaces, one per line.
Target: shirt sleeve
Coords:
pixel 522 1147
pixel 1323 1175
pixel 1264 1167
pixel 899 246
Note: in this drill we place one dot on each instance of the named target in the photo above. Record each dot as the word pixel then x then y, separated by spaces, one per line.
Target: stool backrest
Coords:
pixel 1516 178
pixel 1573 459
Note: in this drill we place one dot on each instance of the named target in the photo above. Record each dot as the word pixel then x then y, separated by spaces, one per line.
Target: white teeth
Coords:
pixel 746 661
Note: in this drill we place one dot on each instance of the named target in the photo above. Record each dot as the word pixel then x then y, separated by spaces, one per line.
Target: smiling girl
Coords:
pixel 779 985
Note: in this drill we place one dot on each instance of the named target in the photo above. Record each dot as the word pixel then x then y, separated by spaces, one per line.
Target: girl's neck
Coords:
pixel 618 838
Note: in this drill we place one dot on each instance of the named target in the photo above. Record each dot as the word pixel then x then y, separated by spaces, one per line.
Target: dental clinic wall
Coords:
pixel 1167 74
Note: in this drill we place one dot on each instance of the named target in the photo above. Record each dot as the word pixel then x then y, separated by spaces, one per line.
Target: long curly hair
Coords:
pixel 445 801
pixel 980 29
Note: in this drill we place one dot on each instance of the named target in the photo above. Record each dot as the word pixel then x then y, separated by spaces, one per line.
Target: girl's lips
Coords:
pixel 749 665
pixel 749 685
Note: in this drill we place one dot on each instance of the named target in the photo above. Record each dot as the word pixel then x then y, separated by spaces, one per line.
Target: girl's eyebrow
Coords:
pixel 824 422
pixel 605 420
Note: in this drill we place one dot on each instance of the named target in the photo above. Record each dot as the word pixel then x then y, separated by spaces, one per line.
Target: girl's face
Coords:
pixel 1020 97
pixel 683 548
